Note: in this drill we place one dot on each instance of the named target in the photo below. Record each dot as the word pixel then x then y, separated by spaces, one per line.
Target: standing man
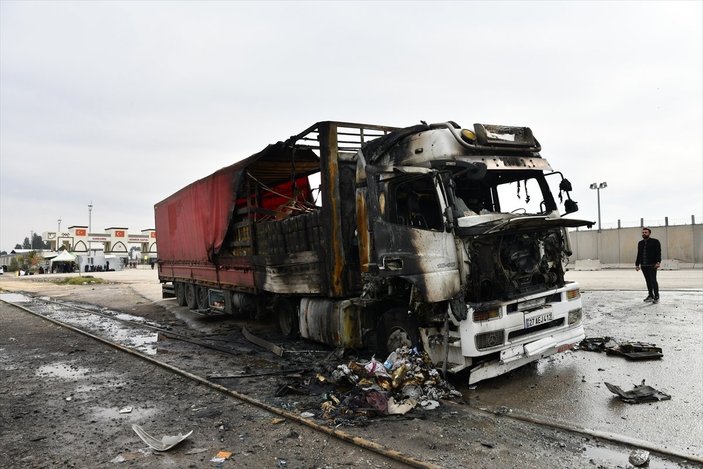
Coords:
pixel 649 256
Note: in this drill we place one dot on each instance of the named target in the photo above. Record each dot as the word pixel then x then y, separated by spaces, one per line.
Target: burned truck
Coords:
pixel 367 236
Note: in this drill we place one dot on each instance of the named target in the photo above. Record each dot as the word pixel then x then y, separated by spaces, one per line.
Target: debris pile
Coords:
pixel 404 381
pixel 631 350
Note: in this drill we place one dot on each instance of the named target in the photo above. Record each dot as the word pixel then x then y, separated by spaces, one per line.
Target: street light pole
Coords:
pixel 58 233
pixel 90 226
pixel 598 187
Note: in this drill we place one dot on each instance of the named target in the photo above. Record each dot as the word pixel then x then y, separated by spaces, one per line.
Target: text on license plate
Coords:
pixel 537 320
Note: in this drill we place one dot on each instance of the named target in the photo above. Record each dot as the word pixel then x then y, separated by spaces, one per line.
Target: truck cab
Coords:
pixel 467 220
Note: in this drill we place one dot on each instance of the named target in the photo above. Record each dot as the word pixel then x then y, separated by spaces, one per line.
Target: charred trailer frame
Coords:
pixel 409 246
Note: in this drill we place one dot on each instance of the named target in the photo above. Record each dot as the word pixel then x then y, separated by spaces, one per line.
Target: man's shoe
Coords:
pixel 655 300
pixel 648 299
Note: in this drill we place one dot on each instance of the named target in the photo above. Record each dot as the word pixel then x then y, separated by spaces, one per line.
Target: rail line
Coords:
pixel 359 442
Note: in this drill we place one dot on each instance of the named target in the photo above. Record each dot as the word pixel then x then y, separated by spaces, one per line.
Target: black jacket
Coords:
pixel 649 252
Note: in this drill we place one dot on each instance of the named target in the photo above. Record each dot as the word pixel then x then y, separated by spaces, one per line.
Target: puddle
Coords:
pixel 61 370
pixel 112 413
pixel 123 334
pixel 129 317
pixel 14 298
pixel 620 458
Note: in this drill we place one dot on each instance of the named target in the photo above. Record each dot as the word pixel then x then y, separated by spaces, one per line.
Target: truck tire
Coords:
pixel 287 315
pixel 396 329
pixel 190 296
pixel 201 297
pixel 180 293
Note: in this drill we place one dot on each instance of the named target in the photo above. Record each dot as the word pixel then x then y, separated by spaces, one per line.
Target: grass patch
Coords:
pixel 84 280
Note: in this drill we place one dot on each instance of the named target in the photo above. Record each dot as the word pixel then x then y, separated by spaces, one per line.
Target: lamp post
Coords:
pixel 598 186
pixel 58 233
pixel 90 212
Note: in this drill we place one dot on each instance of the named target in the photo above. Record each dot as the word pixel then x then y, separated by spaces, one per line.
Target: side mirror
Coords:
pixel 565 186
pixel 571 206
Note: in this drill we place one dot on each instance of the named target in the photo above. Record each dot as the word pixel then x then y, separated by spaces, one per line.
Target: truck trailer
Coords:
pixel 369 236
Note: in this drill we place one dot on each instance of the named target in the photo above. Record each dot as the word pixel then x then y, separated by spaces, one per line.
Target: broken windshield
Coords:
pixel 507 192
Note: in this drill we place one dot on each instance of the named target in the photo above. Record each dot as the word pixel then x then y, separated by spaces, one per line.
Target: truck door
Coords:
pixel 409 235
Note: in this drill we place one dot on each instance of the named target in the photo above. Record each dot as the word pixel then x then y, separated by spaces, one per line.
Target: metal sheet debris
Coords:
pixel 164 444
pixel 640 393
pixel 631 350
pixel 273 348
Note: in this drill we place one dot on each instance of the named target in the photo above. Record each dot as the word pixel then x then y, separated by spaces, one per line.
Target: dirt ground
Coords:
pixel 62 394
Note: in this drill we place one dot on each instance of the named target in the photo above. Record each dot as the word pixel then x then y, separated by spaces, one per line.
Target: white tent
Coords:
pixel 64 256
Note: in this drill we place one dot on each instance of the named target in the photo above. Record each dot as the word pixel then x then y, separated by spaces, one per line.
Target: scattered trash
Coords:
pixel 123 457
pixel 631 350
pixel 502 410
pixel 276 421
pixel 639 457
pixel 401 409
pixel 196 451
pixel 488 444
pixel 164 444
pixel 125 410
pixel 429 404
pixel 307 415
pixel 641 393
pixel 392 387
pixel 222 456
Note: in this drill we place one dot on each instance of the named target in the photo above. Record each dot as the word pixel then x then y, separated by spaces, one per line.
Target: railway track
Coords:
pixel 76 319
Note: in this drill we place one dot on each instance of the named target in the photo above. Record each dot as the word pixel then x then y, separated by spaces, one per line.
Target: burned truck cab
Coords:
pixel 462 241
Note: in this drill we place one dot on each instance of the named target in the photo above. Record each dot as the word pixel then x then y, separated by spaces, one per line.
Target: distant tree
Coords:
pixel 3 253
pixel 26 244
pixel 38 242
pixel 14 265
pixel 34 259
pixel 18 246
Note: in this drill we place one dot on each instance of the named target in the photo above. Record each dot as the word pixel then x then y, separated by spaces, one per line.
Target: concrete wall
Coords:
pixel 619 245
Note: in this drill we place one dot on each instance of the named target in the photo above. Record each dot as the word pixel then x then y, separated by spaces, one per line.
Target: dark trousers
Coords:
pixel 650 276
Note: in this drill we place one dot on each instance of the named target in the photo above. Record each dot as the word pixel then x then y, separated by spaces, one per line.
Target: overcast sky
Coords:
pixel 124 103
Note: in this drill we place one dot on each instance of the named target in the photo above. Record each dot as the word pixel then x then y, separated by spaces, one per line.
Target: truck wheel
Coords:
pixel 180 293
pixel 287 314
pixel 396 329
pixel 201 297
pixel 190 296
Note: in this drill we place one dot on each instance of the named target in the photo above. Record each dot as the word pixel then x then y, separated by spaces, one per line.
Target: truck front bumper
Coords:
pixel 517 356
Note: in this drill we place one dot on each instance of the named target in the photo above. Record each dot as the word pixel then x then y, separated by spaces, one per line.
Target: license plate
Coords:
pixel 538 319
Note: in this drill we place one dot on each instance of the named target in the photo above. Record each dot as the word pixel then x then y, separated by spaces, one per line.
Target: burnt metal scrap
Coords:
pixel 404 381
pixel 640 393
pixel 631 350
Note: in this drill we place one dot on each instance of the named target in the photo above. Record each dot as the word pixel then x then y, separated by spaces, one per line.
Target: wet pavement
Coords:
pixel 569 387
